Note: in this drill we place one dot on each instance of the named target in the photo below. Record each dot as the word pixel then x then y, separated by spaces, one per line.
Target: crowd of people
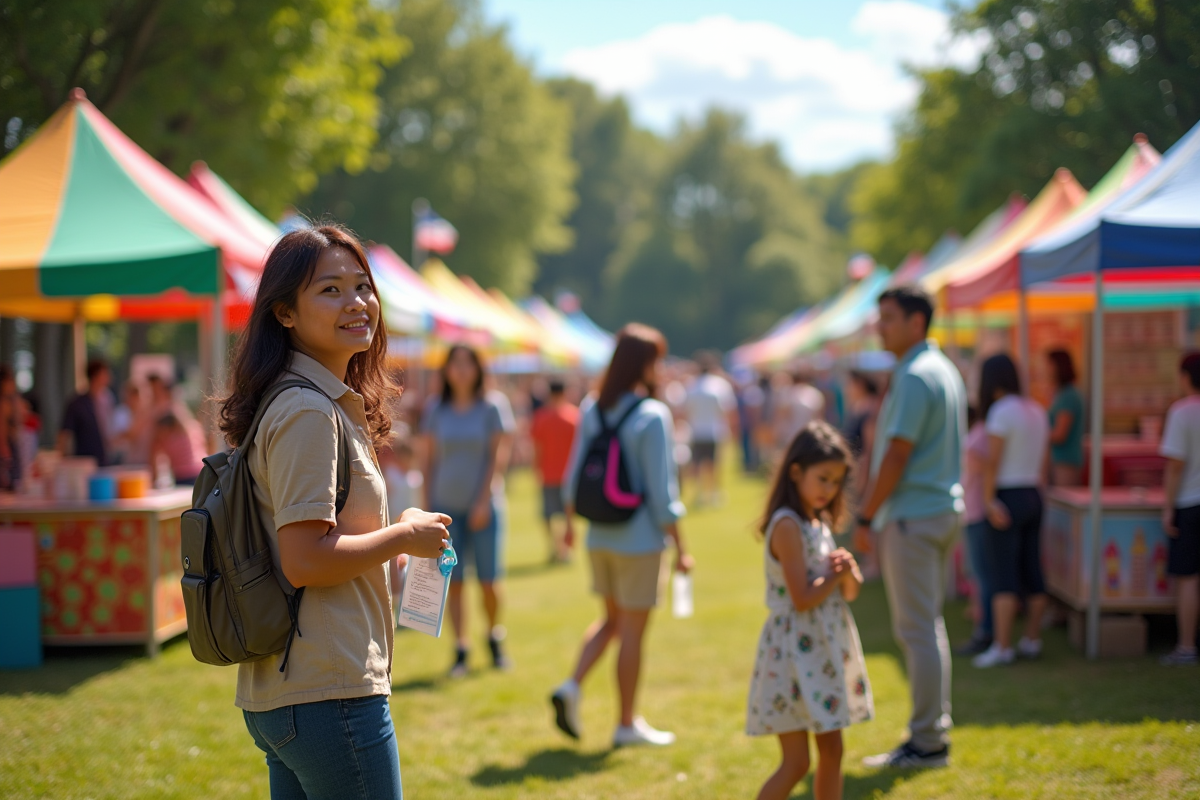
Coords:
pixel 903 459
pixel 149 427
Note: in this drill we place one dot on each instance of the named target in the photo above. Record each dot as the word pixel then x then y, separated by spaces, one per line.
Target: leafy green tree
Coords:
pixel 1084 77
pixel 270 93
pixel 904 205
pixel 732 243
pixel 832 191
pixel 468 127
pixel 617 165
pixel 1063 83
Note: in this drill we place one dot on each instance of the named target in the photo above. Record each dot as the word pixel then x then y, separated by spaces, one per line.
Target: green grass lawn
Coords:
pixel 116 725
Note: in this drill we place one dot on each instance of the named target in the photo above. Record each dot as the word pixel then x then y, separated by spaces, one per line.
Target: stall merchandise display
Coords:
pixel 1133 549
pixel 108 572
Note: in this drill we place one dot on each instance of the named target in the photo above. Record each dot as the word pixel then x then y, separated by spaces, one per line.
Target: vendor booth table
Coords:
pixel 108 572
pixel 1132 564
pixel 1133 549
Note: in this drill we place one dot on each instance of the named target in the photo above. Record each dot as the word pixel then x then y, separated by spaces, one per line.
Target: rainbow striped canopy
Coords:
pixel 84 212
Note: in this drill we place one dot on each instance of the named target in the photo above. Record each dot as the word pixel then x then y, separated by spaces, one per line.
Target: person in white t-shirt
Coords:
pixel 798 404
pixel 1018 437
pixel 711 409
pixel 1181 509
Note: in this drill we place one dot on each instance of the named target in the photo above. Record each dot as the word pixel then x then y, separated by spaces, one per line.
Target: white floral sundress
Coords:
pixel 810 674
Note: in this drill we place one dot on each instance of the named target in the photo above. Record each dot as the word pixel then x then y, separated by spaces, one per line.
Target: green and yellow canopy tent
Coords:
pixel 93 228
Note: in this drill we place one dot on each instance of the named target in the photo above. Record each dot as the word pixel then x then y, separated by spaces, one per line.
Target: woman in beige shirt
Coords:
pixel 324 723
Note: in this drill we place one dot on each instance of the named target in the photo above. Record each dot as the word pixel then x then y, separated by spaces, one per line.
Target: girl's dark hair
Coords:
pixel 1190 365
pixel 264 351
pixel 1063 366
pixel 480 372
pixel 638 346
pixel 817 443
pixel 998 373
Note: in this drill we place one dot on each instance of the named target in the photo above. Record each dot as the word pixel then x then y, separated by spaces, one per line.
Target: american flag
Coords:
pixel 435 234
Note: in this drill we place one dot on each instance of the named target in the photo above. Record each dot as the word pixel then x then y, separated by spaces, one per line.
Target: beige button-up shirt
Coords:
pixel 344 649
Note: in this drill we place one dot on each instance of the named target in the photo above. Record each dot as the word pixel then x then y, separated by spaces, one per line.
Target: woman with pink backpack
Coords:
pixel 622 476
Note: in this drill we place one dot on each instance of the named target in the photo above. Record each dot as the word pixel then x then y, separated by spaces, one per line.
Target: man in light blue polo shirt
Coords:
pixel 916 503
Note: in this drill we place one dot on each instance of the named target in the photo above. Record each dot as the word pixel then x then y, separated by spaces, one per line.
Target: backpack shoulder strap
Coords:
pixel 343 459
pixel 606 428
pixel 603 422
pixel 628 413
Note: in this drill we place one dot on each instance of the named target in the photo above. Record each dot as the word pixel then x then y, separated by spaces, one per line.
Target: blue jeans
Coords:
pixel 329 750
pixel 977 551
pixel 483 549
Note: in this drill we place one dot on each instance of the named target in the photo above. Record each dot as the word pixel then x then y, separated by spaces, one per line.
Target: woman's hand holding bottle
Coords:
pixel 427 535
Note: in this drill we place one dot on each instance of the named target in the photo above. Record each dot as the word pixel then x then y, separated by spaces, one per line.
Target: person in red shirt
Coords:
pixel 552 431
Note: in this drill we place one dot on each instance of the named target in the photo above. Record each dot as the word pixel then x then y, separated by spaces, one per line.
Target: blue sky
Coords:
pixel 825 79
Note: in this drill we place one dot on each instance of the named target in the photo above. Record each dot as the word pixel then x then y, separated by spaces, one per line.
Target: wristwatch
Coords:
pixel 866 522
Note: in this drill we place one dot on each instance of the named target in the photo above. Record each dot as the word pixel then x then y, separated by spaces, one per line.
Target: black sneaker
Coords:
pixel 908 757
pixel 974 646
pixel 459 670
pixel 500 659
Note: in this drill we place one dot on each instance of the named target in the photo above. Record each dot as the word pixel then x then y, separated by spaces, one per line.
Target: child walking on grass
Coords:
pixel 810 674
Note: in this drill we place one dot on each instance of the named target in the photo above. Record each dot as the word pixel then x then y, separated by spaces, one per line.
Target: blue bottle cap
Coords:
pixel 447 560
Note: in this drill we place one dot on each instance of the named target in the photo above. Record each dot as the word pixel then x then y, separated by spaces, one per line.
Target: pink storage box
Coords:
pixel 18 557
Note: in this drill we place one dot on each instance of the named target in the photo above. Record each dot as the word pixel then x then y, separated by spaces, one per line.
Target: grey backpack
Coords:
pixel 238 608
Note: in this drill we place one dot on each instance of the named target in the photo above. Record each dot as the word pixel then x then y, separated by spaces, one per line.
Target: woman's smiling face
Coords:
pixel 336 313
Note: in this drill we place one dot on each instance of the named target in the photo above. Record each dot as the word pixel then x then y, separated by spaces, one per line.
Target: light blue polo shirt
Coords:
pixel 926 405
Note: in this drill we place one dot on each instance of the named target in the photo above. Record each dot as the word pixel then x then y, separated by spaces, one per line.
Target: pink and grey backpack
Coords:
pixel 603 492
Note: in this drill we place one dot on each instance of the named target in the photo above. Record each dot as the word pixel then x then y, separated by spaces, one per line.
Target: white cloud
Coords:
pixel 903 32
pixel 827 104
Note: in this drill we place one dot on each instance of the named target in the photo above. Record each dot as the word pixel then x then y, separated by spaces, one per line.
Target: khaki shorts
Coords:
pixel 633 581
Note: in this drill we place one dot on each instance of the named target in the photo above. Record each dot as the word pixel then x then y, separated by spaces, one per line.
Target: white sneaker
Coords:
pixel 640 732
pixel 994 656
pixel 566 708
pixel 1029 648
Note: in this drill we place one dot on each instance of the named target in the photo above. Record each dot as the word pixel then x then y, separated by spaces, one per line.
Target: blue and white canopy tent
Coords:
pixel 1153 226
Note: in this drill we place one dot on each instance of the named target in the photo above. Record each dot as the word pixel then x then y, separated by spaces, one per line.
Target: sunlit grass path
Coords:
pixel 120 726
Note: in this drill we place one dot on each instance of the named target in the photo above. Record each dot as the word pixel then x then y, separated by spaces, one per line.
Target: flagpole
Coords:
pixel 420 208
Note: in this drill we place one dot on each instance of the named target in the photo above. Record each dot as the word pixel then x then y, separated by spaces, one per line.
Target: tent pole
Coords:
pixel 219 344
pixel 1097 469
pixel 79 353
pixel 1024 366
pixel 204 347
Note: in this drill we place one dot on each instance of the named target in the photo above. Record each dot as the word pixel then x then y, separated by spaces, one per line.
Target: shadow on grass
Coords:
pixel 64 668
pixel 875 784
pixel 555 765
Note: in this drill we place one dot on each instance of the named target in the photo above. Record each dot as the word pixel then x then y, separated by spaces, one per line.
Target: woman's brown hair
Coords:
pixel 817 443
pixel 264 351
pixel 638 346
pixel 1063 367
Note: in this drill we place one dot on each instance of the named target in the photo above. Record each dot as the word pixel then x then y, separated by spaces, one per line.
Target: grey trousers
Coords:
pixel 915 553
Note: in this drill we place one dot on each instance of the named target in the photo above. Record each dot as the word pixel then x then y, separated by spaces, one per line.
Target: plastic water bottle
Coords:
pixel 447 560
pixel 681 595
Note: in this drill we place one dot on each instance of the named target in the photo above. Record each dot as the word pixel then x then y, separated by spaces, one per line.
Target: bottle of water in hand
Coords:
pixel 681 595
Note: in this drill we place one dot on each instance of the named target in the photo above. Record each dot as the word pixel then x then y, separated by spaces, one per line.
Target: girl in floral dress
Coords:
pixel 810 674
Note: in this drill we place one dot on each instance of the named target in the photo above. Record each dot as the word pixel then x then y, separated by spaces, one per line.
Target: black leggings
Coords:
pixel 1015 553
